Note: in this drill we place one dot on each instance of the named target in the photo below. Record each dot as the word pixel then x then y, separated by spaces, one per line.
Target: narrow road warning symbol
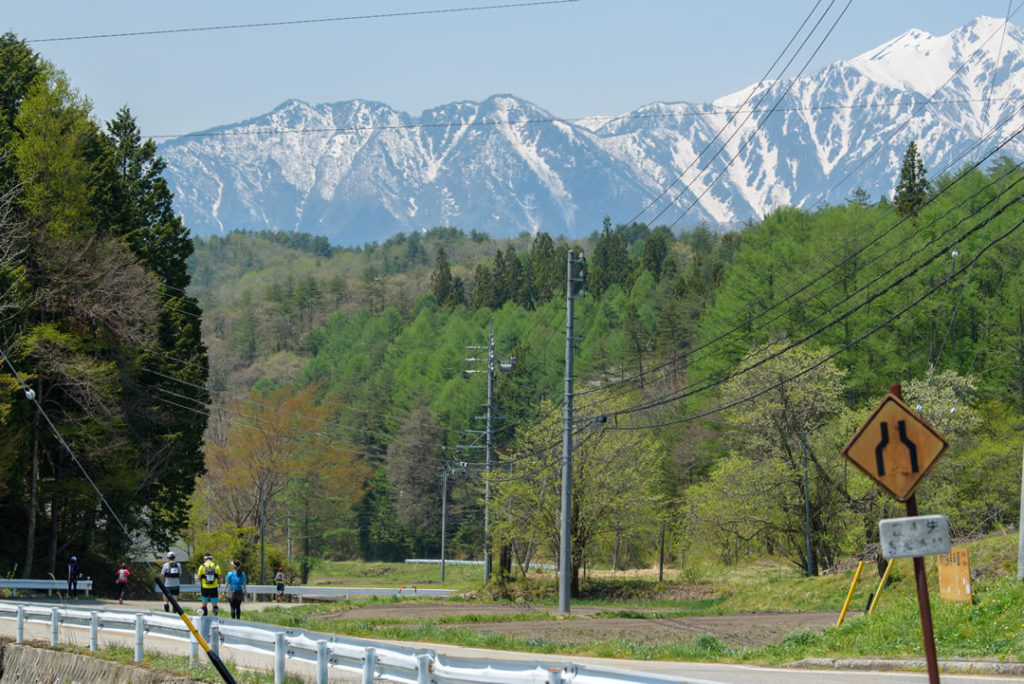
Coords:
pixel 899 465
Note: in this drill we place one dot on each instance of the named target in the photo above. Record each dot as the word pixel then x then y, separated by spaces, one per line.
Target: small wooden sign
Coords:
pixel 955 576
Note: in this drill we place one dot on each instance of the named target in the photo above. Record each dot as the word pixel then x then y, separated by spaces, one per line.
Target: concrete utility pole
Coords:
pixel 811 570
pixel 489 432
pixel 565 546
pixel 263 529
pixel 1020 529
pixel 448 470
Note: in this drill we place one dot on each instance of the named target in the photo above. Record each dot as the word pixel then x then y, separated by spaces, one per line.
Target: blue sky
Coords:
pixel 575 59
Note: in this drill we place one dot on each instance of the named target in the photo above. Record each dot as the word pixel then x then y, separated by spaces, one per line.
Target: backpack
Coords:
pixel 210 573
pixel 174 569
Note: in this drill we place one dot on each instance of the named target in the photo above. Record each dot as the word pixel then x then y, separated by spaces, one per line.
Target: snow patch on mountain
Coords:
pixel 359 170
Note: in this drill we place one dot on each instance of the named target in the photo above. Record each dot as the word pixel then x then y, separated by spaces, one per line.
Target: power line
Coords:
pixel 910 117
pixel 691 391
pixel 757 128
pixel 750 95
pixel 294 22
pixel 709 346
pixel 706 113
pixel 963 174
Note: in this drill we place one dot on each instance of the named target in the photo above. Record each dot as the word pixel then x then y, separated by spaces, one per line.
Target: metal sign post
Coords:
pixel 897 448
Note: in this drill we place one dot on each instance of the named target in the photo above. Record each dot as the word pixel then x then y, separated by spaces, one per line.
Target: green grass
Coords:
pixel 359 574
pixel 991 628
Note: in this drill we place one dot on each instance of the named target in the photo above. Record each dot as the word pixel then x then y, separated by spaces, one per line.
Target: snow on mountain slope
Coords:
pixel 359 171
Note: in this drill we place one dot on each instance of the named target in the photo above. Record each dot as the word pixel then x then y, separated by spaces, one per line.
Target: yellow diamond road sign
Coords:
pixel 896 448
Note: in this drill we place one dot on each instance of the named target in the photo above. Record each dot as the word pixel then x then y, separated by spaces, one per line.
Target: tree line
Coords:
pixel 270 387
pixel 709 318
pixel 97 321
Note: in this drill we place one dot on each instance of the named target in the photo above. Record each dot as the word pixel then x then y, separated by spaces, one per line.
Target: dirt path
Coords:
pixel 739 629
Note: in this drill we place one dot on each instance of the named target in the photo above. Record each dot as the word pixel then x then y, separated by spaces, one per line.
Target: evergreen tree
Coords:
pixel 547 269
pixel 912 190
pixel 441 278
pixel 655 252
pixel 610 264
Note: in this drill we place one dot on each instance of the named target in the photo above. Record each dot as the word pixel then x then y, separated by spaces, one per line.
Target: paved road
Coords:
pixel 706 672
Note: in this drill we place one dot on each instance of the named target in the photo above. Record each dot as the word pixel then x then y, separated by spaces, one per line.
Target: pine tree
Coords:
pixel 441 278
pixel 912 190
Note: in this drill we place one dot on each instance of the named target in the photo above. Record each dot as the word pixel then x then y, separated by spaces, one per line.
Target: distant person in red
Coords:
pixel 121 577
pixel 279 580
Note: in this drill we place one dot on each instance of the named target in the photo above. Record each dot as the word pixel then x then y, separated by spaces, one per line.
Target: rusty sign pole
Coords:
pixel 922 588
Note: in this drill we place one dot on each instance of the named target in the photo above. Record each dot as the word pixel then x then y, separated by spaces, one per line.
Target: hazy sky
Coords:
pixel 574 59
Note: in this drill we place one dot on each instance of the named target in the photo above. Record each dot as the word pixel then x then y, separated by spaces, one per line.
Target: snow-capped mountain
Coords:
pixel 359 171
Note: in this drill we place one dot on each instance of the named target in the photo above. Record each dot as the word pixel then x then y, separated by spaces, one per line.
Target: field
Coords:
pixel 758 611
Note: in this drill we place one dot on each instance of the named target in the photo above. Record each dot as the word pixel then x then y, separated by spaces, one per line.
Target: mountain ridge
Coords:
pixel 358 171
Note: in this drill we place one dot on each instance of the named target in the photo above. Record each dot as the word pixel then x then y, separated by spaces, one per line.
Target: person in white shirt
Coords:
pixel 171 572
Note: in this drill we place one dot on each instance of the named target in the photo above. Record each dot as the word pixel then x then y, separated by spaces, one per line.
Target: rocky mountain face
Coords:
pixel 359 171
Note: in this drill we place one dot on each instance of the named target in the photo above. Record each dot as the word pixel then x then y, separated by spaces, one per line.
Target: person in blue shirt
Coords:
pixel 236 581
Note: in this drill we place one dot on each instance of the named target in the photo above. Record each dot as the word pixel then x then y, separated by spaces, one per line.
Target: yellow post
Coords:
pixel 849 594
pixel 885 576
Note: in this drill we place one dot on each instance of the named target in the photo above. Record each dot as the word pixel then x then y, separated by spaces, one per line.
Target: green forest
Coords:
pixel 336 392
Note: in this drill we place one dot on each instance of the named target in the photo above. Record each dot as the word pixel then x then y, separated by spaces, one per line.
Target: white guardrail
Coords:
pixel 325 654
pixel 47 585
pixel 306 591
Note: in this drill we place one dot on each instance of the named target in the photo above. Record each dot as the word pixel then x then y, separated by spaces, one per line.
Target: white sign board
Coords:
pixel 922 535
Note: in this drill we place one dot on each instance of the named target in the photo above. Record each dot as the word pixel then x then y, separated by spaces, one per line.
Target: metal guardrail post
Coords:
pixel 204 627
pixel 19 631
pixel 423 662
pixel 369 665
pixel 140 633
pixel 321 662
pixel 279 658
pixel 94 631
pixel 554 675
pixel 54 624
pixel 215 638
pixel 193 650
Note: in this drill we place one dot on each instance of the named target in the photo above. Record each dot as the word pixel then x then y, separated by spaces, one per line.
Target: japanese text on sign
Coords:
pixel 915 537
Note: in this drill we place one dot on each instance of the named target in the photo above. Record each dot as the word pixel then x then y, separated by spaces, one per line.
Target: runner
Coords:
pixel 171 572
pixel 121 577
pixel 279 579
pixel 236 581
pixel 73 577
pixel 209 577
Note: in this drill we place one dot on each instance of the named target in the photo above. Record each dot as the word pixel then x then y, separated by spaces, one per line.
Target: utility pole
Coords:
pixel 811 570
pixel 448 470
pixel 263 579
pixel 1020 531
pixel 564 562
pixel 489 432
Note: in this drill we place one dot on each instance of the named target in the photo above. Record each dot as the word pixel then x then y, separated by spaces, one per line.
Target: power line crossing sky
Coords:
pixel 575 59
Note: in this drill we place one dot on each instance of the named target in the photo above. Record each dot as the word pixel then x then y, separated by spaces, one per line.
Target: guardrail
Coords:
pixel 341 593
pixel 437 561
pixel 322 653
pixel 47 585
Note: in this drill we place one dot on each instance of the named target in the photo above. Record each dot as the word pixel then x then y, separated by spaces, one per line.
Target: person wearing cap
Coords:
pixel 171 572
pixel 279 580
pixel 73 577
pixel 209 580
pixel 121 577
pixel 236 581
